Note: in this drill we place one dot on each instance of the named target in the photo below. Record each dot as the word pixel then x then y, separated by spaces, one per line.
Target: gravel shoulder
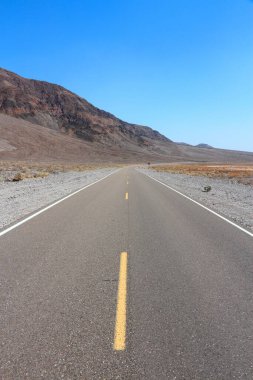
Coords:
pixel 227 197
pixel 18 199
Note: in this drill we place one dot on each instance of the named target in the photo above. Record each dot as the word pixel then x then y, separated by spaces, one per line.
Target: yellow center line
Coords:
pixel 120 323
pixel 126 197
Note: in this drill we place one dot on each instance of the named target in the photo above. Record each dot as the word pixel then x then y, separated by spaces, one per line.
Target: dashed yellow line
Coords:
pixel 120 323
pixel 126 196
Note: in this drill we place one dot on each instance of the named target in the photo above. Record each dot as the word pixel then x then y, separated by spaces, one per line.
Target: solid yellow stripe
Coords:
pixel 120 324
pixel 126 197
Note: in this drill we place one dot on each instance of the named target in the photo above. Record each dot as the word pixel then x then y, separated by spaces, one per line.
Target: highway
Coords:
pixel 126 279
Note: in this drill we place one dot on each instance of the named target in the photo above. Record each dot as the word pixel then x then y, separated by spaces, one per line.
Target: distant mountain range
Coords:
pixel 202 145
pixel 44 121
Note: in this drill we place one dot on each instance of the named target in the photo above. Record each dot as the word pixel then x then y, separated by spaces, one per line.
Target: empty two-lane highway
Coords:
pixel 126 279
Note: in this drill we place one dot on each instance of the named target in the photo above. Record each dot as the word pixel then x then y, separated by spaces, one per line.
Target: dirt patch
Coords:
pixel 5 146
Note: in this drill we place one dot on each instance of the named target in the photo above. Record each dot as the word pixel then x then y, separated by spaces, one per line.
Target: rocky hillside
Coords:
pixel 45 122
pixel 55 107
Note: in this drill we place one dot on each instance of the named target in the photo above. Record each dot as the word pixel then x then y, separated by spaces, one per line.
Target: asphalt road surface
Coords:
pixel 126 280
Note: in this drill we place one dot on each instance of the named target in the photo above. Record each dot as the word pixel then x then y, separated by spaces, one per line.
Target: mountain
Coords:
pixel 202 145
pixel 183 143
pixel 54 107
pixel 44 121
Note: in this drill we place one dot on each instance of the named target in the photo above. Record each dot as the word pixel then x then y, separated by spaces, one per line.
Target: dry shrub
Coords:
pixel 21 166
pixel 20 170
pixel 18 177
pixel 40 175
pixel 237 172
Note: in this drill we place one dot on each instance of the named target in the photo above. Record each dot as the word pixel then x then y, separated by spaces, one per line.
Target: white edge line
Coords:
pixel 52 205
pixel 199 204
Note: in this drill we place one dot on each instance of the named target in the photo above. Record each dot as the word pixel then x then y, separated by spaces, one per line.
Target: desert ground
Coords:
pixel 238 172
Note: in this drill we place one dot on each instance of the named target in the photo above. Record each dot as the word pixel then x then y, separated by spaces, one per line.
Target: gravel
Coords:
pixel 18 199
pixel 227 197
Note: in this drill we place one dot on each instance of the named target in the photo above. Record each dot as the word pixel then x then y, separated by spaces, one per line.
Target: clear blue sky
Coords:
pixel 183 67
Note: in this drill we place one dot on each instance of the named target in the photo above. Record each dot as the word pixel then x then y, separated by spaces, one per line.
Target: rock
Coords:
pixel 207 188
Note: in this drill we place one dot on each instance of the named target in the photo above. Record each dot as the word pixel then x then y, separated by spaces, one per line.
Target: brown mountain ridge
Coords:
pixel 53 106
pixel 76 130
